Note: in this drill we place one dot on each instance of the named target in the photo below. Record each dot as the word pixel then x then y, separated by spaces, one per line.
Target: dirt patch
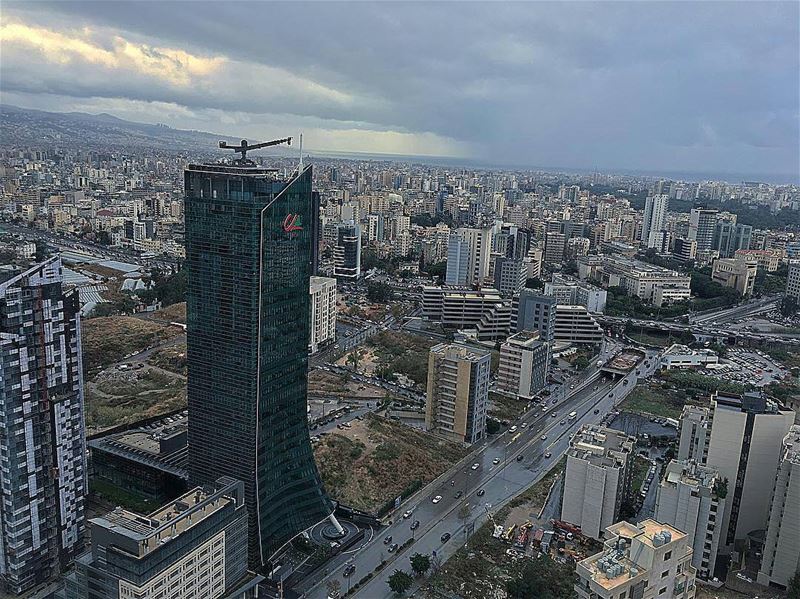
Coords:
pixel 378 459
pixel 107 340
pixel 172 358
pixel 505 409
pixel 172 313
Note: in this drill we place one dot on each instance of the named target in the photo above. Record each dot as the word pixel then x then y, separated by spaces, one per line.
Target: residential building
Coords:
pixel 250 251
pixel 195 546
pixel 738 273
pixel 730 237
pixel 523 365
pixel 554 245
pixel 323 312
pixel 531 311
pixel 702 227
pixel 681 356
pixel 744 444
pixel 347 251
pixel 574 324
pixel 655 216
pixel 574 292
pixel 597 479
pixel 768 260
pixel 781 555
pixel 42 436
pixel 471 251
pixel 793 280
pixel 534 263
pixel 649 560
pixel 576 247
pixel 684 250
pixel 692 498
pixel 458 390
pixel 457 272
pixel 510 276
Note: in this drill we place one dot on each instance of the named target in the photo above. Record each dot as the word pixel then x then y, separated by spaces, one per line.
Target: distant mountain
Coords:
pixel 37 128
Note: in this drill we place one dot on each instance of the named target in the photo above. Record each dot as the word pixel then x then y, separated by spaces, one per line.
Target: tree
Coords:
pixel 581 362
pixel 534 283
pixel 788 305
pixel 334 586
pixel 42 251
pixel 541 579
pixel 378 292
pixel 793 590
pixel 400 581
pixel 354 358
pixel 420 563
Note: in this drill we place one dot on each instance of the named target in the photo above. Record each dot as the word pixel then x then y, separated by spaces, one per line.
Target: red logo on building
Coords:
pixel 292 223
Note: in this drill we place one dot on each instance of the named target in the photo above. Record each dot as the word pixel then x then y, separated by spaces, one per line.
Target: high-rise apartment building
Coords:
pixel 781 555
pixel 347 251
pixel 531 311
pixel 692 498
pixel 702 226
pixel 458 390
pixel 42 437
pixel 554 245
pixel 655 216
pixel 523 365
pixel 250 249
pixel 649 560
pixel 793 280
pixel 740 436
pixel 195 546
pixel 323 312
pixel 470 251
pixel 597 478
pixel 510 275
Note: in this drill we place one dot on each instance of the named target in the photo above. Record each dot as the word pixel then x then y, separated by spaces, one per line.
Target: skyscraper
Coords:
pixel 655 214
pixel 42 437
pixel 249 253
pixel 702 226
pixel 347 253
pixel 470 251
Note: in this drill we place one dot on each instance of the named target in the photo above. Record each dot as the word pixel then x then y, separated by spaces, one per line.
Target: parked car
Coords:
pixel 415 525
pixel 387 539
pixel 437 499
pixel 481 493
pixel 445 537
pixel 348 571
pixel 393 547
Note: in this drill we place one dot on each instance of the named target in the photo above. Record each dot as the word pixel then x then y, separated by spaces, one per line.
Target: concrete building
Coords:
pixel 684 249
pixel 692 498
pixel 574 292
pixel 574 324
pixel 43 476
pixel 510 275
pixel 702 226
pixel 793 280
pixel 531 311
pixel 323 312
pixel 768 260
pixel 597 478
pixel 461 307
pixel 681 356
pixel 730 238
pixel 458 388
pixel 470 251
pixel 744 445
pixel 523 365
pixel 347 251
pixel 649 560
pixel 554 245
pixel 781 555
pixel 195 546
pixel 737 273
pixel 655 215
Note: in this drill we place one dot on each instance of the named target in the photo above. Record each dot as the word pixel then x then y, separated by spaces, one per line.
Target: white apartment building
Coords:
pixel 793 282
pixel 781 556
pixel 702 226
pixel 323 312
pixel 510 275
pixel 470 251
pixel 649 560
pixel 769 260
pixel 524 362
pixel 655 215
pixel 692 498
pixel 458 390
pixel 597 478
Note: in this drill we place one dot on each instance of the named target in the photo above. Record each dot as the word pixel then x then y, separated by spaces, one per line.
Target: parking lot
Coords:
pixel 746 366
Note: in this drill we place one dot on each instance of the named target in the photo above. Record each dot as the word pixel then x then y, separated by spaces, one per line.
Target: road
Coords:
pixel 500 481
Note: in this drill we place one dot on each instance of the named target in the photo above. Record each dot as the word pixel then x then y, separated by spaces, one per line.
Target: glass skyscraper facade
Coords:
pixel 250 251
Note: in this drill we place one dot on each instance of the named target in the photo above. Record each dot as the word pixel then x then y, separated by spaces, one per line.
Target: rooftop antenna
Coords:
pixel 243 147
pixel 300 168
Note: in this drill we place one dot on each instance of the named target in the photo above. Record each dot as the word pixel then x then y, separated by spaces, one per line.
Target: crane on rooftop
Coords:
pixel 243 147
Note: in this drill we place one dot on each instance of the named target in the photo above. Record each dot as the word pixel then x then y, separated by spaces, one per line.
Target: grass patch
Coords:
pixel 535 495
pixel 172 358
pixel 121 497
pixel 654 401
pixel 505 408
pixel 640 466
pixel 379 459
pixel 650 338
pixel 107 340
pixel 403 353
pixel 172 313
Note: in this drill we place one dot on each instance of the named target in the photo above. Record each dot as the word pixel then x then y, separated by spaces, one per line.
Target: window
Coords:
pixel 662 590
pixel 667 555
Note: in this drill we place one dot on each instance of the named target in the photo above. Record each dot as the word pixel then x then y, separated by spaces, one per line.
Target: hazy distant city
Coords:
pixel 385 346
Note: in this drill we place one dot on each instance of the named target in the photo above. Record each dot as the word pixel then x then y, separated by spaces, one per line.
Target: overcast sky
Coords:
pixel 709 87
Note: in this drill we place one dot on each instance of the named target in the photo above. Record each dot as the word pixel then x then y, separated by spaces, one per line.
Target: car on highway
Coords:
pixel 554 415
pixel 475 466
pixel 496 461
pixel 348 571
pixel 563 422
pixel 437 499
pixel 445 537
pixel 415 525
pixel 387 539
pixel 520 457
pixel 459 494
pixel 393 547
pixel 543 437
pixel 596 411
pixel 548 455
pixel 407 514
pixel 480 493
pixel 524 425
pixel 512 430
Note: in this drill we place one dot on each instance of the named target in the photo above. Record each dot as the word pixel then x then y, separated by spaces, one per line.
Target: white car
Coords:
pixel 496 461
pixel 524 425
pixel 407 514
pixel 513 429
pixel 543 437
pixel 437 499
pixel 475 466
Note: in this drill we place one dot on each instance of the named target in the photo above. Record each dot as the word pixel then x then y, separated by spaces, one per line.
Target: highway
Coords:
pixel 498 473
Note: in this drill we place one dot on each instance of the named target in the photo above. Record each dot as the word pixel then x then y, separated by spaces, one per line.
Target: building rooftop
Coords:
pixel 600 446
pixel 689 472
pixel 791 445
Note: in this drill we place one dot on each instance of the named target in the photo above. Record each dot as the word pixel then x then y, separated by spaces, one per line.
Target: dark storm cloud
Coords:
pixel 639 85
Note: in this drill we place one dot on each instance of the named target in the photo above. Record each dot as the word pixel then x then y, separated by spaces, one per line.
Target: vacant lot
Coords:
pixel 109 339
pixel 379 459
pixel 114 397
pixel 393 352
pixel 172 358
pixel 172 313
pixel 505 408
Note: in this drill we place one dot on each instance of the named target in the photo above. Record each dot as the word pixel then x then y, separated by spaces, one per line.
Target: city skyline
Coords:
pixel 552 86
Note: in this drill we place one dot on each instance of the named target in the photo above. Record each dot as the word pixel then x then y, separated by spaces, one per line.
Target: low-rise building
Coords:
pixel 692 498
pixel 597 478
pixel 649 560
pixel 195 546
pixel 323 312
pixel 781 555
pixel 483 311
pixel 681 356
pixel 574 324
pixel 523 365
pixel 769 260
pixel 738 273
